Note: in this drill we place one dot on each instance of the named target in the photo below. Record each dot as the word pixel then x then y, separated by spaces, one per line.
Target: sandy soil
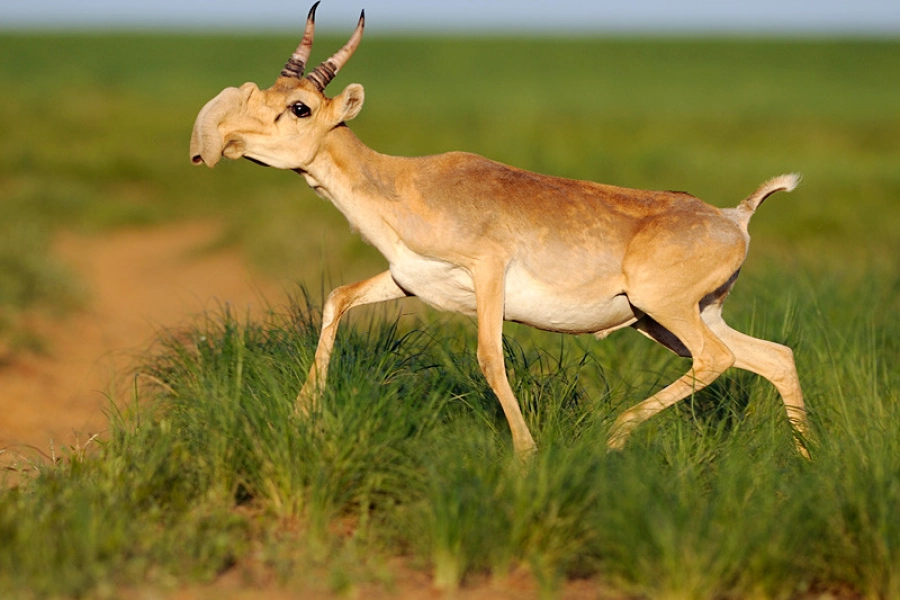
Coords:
pixel 138 281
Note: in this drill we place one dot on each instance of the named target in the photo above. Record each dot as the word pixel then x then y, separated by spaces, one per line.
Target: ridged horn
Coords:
pixel 296 66
pixel 325 72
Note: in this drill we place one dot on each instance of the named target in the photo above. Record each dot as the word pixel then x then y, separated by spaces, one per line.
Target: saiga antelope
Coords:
pixel 469 235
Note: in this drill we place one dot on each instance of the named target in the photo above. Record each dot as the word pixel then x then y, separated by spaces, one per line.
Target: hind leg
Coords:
pixel 771 361
pixel 673 264
pixel 711 357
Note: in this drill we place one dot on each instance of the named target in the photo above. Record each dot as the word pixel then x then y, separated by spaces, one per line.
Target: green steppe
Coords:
pixel 208 469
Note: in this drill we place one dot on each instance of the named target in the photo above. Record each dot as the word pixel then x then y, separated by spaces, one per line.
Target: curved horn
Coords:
pixel 297 63
pixel 325 72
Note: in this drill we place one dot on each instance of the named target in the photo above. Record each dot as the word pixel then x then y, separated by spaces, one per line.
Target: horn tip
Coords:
pixel 312 11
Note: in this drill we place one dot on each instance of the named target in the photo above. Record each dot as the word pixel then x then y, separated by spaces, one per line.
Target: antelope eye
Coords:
pixel 300 110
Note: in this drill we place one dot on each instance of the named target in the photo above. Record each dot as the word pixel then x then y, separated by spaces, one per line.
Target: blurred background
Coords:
pixel 107 232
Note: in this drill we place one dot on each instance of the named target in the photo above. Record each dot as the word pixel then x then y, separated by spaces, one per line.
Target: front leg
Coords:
pixel 489 302
pixel 380 288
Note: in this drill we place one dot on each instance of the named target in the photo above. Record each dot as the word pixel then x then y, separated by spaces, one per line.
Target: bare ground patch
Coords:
pixel 138 281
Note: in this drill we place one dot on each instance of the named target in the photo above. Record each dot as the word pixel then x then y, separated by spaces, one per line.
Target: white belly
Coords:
pixel 550 305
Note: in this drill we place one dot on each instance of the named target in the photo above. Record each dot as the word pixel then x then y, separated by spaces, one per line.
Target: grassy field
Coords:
pixel 206 468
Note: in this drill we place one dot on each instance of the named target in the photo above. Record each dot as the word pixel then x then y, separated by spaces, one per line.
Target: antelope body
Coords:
pixel 473 236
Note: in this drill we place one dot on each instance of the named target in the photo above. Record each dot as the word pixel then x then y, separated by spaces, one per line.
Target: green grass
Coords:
pixel 206 468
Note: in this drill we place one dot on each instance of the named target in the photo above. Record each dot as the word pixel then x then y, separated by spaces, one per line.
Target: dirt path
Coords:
pixel 138 282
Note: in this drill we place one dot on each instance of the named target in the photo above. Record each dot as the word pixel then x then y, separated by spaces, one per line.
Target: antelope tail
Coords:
pixel 782 183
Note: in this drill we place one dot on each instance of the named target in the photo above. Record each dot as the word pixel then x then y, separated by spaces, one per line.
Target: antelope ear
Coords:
pixel 349 102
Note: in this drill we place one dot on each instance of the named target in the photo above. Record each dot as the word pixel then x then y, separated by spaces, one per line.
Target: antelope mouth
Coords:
pixel 257 161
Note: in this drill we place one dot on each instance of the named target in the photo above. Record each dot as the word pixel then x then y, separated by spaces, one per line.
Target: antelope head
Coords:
pixel 283 126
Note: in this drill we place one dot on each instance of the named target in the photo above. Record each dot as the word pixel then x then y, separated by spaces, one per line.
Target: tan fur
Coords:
pixel 474 236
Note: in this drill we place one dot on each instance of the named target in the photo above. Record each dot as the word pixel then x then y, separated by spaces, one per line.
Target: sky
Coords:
pixel 854 17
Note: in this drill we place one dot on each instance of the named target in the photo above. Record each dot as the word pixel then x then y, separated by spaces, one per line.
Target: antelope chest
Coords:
pixel 438 283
